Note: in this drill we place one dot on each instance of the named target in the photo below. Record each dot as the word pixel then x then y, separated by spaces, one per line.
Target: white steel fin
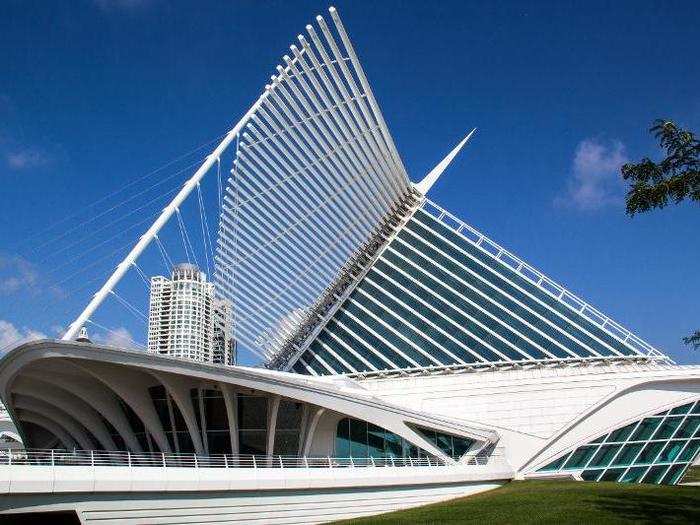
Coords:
pixel 432 177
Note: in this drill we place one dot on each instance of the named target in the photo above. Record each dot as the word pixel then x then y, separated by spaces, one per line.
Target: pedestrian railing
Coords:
pixel 95 458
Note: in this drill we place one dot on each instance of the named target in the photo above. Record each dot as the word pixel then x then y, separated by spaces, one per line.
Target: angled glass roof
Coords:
pixel 441 294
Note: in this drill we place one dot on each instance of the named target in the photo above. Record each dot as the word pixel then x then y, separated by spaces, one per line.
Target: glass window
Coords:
pixel 633 475
pixel 668 427
pixel 580 457
pixel 671 451
pixel 628 453
pixel 342 439
pixel 612 474
pixel 288 426
pixel 690 450
pixel 655 474
pixel 673 474
pixel 649 453
pixel 604 456
pixel 621 434
pixel 451 445
pixel 645 429
pixel 591 475
pixel 252 421
pixel 688 427
pixel 683 409
pixel 359 439
pixel 556 464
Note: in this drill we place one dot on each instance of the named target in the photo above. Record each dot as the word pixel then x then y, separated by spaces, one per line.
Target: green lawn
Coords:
pixel 558 502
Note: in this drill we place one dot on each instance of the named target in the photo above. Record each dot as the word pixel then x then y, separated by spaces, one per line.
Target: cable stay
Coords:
pixel 130 307
pixel 118 335
pixel 167 261
pixel 141 274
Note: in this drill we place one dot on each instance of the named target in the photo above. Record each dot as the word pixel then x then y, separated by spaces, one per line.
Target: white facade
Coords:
pixel 408 357
pixel 186 320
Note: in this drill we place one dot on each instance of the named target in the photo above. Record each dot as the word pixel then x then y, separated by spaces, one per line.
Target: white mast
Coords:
pixel 147 237
pixel 432 177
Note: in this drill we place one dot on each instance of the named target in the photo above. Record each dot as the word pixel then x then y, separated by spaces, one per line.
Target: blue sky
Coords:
pixel 96 93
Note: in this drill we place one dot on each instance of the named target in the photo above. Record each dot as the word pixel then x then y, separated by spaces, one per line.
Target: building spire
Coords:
pixel 430 179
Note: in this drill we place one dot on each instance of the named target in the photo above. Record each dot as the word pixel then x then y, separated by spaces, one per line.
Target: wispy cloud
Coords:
pixel 27 158
pixel 11 335
pixel 594 182
pixel 119 337
pixel 18 275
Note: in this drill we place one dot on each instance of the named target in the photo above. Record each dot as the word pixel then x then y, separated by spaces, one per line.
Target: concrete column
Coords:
pixel 132 387
pixel 311 429
pixel 273 405
pixel 179 388
pixel 72 405
pixel 231 402
pixel 59 417
pixel 96 395
pixel 37 419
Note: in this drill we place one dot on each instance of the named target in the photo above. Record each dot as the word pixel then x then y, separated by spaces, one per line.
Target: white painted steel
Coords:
pixel 147 237
pixel 315 176
pixel 431 178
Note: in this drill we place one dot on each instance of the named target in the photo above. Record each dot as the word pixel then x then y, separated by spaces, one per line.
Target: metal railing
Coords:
pixel 100 458
pixel 540 280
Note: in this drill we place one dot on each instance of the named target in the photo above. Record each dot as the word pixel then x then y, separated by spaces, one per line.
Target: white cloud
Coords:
pixel 119 337
pixel 10 335
pixel 595 180
pixel 27 158
pixel 17 273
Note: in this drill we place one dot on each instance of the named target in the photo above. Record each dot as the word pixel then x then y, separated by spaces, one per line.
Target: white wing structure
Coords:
pixel 316 184
pixel 334 262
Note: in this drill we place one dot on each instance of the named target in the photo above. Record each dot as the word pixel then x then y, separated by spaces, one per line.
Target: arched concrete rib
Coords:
pixel 337 394
pixel 42 421
pixel 132 386
pixel 179 389
pixel 69 403
pixel 70 425
pixel 93 393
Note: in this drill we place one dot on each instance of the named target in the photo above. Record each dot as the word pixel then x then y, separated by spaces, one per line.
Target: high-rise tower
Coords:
pixel 185 320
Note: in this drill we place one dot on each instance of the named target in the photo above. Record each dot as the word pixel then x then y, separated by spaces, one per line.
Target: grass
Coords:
pixel 557 502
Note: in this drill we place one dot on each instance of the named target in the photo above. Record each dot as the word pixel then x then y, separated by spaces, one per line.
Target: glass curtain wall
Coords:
pixel 210 410
pixel 288 428
pixel 657 449
pixel 171 418
pixel 252 424
pixel 453 446
pixel 435 298
pixel 360 439
pixel 148 444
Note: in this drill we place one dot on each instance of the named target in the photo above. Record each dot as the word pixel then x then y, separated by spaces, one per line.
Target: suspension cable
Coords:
pixel 138 313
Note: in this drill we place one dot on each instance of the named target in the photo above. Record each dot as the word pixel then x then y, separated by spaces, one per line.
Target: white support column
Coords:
pixel 311 430
pixel 169 210
pixel 303 427
pixel 178 388
pixel 273 408
pixel 231 402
